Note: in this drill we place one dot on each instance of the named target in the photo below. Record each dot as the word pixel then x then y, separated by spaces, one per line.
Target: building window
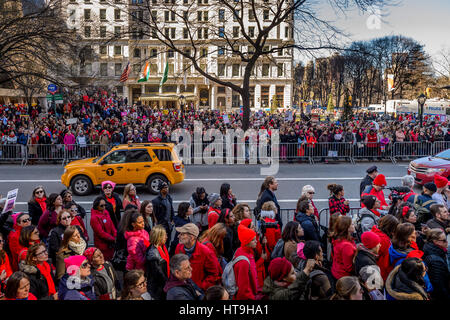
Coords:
pixel 280 69
pixel 154 15
pixel 221 32
pixel 235 32
pixel 118 69
pixel 251 32
pixel 221 50
pixel 221 15
pixel 204 53
pixel 172 33
pixel 137 53
pixel 286 32
pixel 103 50
pixel 87 14
pixel 251 14
pixel 279 91
pixel 266 14
pixel 235 72
pixel 221 90
pixel 102 14
pixel 88 68
pixel 119 89
pixel 117 50
pixel 171 69
pixel 170 53
pixel 116 14
pixel 117 31
pixel 221 70
pixel 265 70
pixel 153 53
pixel 103 69
pixel 236 100
pixel 153 68
pixel 102 32
pixel 236 15
pixel 87 31
pixel 264 96
pixel 185 33
pixel 280 52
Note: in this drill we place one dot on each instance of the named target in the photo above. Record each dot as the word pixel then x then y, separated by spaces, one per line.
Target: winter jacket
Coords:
pixel 369 219
pixel 14 246
pixel 160 213
pixel 113 213
pixel 137 244
pixel 213 216
pixel 84 292
pixel 46 223
pixel 6 266
pixel 370 190
pixel 364 258
pixel 383 253
pixel 38 283
pixel 55 238
pixel 100 283
pixel 435 259
pixel 199 217
pixel 182 290
pixel 156 272
pixel 399 287
pixel 205 267
pixel 309 225
pixel 59 261
pixel 227 204
pixel 6 223
pixel 246 275
pixel 35 212
pixel 342 256
pixel 434 223
pixel 294 291
pixel 266 196
pixel 134 202
pixel 104 232
pixel 272 234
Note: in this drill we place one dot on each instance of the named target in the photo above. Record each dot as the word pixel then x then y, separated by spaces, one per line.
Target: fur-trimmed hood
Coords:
pixel 395 279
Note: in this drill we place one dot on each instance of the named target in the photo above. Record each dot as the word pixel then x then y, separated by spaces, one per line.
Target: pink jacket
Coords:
pixel 69 141
pixel 137 244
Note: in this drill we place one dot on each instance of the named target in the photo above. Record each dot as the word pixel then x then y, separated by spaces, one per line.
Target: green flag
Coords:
pixel 145 74
pixel 164 77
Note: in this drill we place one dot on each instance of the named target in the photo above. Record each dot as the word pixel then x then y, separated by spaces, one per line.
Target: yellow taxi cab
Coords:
pixel 138 163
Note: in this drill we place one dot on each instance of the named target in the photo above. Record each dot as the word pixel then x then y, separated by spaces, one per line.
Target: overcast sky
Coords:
pixel 427 21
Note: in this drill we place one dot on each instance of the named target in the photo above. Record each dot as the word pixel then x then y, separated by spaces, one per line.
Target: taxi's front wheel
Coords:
pixel 81 185
pixel 154 181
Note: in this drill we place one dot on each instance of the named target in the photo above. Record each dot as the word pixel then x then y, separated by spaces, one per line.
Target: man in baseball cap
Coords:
pixel 205 266
pixel 372 172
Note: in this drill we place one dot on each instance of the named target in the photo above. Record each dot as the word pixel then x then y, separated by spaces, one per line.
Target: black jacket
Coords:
pixel 266 196
pixel 227 204
pixel 434 223
pixel 156 273
pixel 6 224
pixel 367 181
pixel 114 214
pixel 159 210
pixel 100 286
pixel 182 290
pixel 35 212
pixel 55 239
pixel 435 259
pixel 364 258
pixel 38 283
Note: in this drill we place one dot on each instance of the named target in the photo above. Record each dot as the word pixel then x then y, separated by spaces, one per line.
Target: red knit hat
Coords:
pixel 245 235
pixel 370 239
pixel 380 180
pixel 89 253
pixel 279 268
pixel 440 181
pixel 246 223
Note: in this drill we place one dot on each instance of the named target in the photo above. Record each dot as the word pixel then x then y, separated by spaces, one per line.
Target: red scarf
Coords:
pixel 165 255
pixel 46 270
pixel 112 201
pixel 42 203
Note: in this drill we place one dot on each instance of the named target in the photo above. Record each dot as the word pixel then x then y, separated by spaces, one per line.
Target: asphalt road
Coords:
pixel 245 181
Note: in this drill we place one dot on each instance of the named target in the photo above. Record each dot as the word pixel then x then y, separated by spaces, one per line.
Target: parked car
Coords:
pixel 424 169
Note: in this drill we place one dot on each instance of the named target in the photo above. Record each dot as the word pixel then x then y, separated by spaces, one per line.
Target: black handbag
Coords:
pixel 119 259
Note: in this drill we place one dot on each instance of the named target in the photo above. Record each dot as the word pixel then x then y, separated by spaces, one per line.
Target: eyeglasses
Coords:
pixel 66 218
pixel 142 284
pixel 25 220
pixel 39 191
pixel 85 265
pixel 41 253
pixel 73 209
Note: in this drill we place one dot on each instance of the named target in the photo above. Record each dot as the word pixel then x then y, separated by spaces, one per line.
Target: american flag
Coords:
pixel 126 73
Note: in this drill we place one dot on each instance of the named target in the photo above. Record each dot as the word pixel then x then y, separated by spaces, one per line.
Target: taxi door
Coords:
pixel 138 162
pixel 113 167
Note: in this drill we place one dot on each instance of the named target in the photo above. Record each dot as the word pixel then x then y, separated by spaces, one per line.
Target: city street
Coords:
pixel 245 181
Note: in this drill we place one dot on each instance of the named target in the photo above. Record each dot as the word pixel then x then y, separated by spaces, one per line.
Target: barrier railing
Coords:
pixel 239 153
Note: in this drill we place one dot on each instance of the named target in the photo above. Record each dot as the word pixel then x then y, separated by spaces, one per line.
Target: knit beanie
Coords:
pixel 440 181
pixel 369 201
pixel 245 235
pixel 430 186
pixel 279 268
pixel 380 180
pixel 73 264
pixel 246 223
pixel 370 239
pixel 89 253
pixel 213 197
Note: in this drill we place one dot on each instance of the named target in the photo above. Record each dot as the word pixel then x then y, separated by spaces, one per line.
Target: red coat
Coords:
pixel 213 216
pixel 104 232
pixel 14 246
pixel 383 254
pixel 6 266
pixel 77 221
pixel 213 249
pixel 272 235
pixel 245 275
pixel 378 194
pixel 205 266
pixel 342 257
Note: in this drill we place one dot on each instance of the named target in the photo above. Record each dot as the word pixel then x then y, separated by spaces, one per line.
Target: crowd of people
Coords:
pixel 213 247
pixel 102 119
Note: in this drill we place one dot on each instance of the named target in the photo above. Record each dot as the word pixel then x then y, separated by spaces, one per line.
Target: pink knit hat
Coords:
pixel 108 182
pixel 73 264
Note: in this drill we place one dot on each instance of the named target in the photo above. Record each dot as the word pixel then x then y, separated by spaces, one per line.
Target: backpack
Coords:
pixel 278 250
pixel 228 277
pixel 358 228
pixel 421 212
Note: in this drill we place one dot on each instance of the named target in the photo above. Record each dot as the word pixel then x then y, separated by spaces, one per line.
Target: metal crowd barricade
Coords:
pixel 46 152
pixel 76 152
pixel 333 150
pixel 372 151
pixel 294 151
pixel 411 149
pixel 13 153
pixel 439 146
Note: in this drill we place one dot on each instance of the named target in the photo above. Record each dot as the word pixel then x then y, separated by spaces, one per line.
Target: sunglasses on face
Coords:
pixel 2 241
pixel 107 187
pixel 311 192
pixel 101 205
pixel 39 191
pixel 85 265
pixel 66 218
pixel 25 220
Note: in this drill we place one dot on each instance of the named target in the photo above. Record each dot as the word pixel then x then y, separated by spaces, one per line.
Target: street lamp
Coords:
pixel 421 100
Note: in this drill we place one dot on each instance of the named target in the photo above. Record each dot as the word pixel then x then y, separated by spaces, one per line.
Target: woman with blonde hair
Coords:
pixel 157 263
pixel 130 197
pixel 72 245
pixel 348 288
